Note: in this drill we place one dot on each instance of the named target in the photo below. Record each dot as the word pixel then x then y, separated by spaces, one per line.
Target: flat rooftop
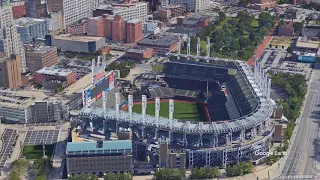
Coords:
pixel 53 71
pixel 92 146
pixel 38 49
pixel 134 21
pixel 159 40
pixel 138 49
pixel 79 85
pixel 79 38
pixel 26 21
pixel 309 44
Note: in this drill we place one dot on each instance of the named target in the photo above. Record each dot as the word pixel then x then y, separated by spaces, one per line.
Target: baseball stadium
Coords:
pixel 216 110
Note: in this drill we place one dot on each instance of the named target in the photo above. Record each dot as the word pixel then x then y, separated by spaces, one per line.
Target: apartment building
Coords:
pixel 129 11
pixel 134 31
pixel 99 157
pixel 10 71
pixel 193 5
pixel 71 10
pixel 54 21
pixel 78 28
pixel 40 57
pixel 31 29
pixel 115 28
pixel 10 42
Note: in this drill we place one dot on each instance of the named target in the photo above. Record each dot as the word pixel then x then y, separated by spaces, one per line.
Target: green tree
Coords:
pixel 42 166
pixel 118 176
pixel 204 173
pixel 14 174
pixel 169 174
pixel 83 176
pixel 222 16
pixel 22 166
pixel 243 3
pixel 41 178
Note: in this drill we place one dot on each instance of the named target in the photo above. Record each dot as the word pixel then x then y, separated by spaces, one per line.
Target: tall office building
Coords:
pixel 10 42
pixel 36 9
pixel 193 5
pixel 10 71
pixel 31 29
pixel 133 10
pixel 71 10
pixel 134 31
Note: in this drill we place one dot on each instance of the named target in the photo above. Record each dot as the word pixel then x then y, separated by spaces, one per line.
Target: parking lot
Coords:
pixel 38 137
pixel 9 139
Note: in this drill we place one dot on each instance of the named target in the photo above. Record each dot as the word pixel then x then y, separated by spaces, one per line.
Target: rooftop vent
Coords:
pixel 99 144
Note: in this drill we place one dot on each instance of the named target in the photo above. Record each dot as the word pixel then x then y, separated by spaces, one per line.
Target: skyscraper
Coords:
pixel 10 42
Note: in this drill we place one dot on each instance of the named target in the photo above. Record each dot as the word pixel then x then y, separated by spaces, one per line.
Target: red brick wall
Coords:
pixel 18 11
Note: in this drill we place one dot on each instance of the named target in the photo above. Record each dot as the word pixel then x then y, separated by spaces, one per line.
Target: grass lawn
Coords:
pixel 255 23
pixel 185 111
pixel 35 152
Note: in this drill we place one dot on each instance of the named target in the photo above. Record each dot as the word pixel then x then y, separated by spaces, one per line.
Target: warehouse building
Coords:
pixel 68 42
pixel 161 44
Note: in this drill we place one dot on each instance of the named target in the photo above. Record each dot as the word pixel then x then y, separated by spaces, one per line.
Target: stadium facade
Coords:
pixel 242 137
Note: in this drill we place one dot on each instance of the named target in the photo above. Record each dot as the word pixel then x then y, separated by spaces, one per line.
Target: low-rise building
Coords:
pixel 194 5
pixel 78 28
pixel 291 13
pixel 139 53
pixel 286 30
pixel 161 44
pixel 31 29
pixel 312 32
pixel 306 50
pixel 99 157
pixel 38 57
pixel 45 75
pixel 193 21
pixel 76 43
pixel 152 26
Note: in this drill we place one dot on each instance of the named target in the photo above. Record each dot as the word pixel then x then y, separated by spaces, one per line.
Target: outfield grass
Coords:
pixel 35 152
pixel 185 111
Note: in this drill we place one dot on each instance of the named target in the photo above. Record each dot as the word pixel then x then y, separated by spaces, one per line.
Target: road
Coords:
pixel 301 159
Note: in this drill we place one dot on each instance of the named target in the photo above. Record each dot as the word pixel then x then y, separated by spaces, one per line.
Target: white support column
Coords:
pixel 198 46
pixel 157 109
pixel 188 46
pixel 104 105
pixel 269 87
pixel 144 107
pixel 117 106
pixel 130 105
pixel 208 47
pixel 93 67
pixel 179 45
pixel 171 110
pixel 98 61
pixel 255 67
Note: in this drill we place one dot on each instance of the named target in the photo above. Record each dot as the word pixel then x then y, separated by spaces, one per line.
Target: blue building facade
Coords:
pixel 31 29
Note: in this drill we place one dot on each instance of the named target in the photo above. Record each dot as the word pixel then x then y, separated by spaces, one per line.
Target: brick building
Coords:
pixel 133 31
pixel 161 44
pixel 48 74
pixel 286 30
pixel 262 4
pixel 193 21
pixel 115 28
pixel 10 71
pixel 39 57
pixel 78 28
pixel 139 53
pixel 18 9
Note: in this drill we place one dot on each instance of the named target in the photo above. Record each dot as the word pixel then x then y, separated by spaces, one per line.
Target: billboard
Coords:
pixel 111 80
pixel 306 58
pixel 87 95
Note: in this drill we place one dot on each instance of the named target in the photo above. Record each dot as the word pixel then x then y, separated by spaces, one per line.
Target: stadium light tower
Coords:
pixel 130 102
pixel 157 109
pixel 98 61
pixel 104 105
pixel 93 67
pixel 188 46
pixel 208 47
pixel 117 109
pixel 144 107
pixel 171 110
pixel 198 46
pixel 179 46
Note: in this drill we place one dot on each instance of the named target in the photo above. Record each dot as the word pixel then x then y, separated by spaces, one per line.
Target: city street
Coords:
pixel 301 159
